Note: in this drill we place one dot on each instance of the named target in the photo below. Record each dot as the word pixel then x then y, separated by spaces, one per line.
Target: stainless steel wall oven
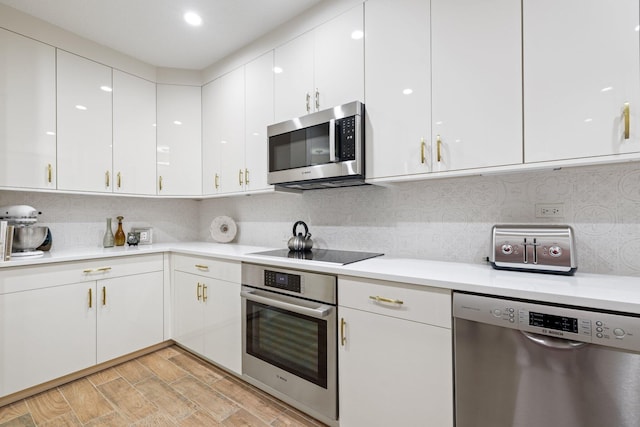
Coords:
pixel 289 337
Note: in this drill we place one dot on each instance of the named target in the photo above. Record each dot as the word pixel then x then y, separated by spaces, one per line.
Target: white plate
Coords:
pixel 223 229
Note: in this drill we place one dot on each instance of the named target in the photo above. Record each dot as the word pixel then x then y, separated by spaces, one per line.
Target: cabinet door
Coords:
pixel 130 314
pixel 27 112
pixel 211 111
pixel 339 60
pixel 223 328
pixel 45 334
pixel 476 83
pixel 581 65
pixel 397 87
pixel 188 320
pixel 293 78
pixel 394 372
pixel 134 134
pixel 179 144
pixel 231 126
pixel 258 115
pixel 84 124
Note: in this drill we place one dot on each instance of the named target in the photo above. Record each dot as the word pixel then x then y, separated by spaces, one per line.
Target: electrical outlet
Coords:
pixel 550 210
pixel 146 235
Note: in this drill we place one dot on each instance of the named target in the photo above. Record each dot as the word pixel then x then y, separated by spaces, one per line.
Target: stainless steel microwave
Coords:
pixel 319 150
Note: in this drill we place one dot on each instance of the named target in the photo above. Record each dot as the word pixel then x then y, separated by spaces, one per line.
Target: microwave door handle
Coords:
pixel 318 313
pixel 332 140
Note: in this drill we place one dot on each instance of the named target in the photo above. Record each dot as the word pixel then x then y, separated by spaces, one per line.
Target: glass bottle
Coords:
pixel 107 240
pixel 120 238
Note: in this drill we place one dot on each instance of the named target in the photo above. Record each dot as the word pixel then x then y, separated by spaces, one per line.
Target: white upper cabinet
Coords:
pixel 134 134
pixel 179 145
pixel 581 66
pixel 223 134
pixel 476 73
pixel 258 115
pixel 397 87
pixel 27 112
pixel 84 108
pixel 321 68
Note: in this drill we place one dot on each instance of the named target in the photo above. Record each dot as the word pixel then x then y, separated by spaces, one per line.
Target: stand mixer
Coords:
pixel 27 236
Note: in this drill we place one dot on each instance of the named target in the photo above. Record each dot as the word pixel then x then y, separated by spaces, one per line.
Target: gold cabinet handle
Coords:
pixel 439 148
pixel 240 176
pixel 317 100
pixel 627 119
pixel 119 180
pixel 198 295
pixel 343 337
pixel 308 102
pixel 107 178
pixel 49 173
pixel 104 295
pixel 202 267
pixel 90 298
pixel 383 299
pixel 204 293
pixel 423 146
pixel 96 270
pixel 216 181
pixel 160 182
pixel 246 176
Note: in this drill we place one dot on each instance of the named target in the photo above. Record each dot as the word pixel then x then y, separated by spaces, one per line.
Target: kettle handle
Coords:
pixel 295 226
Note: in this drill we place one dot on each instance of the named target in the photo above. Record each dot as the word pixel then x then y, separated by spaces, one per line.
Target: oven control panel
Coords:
pixel 618 330
pixel 283 281
pixel 548 248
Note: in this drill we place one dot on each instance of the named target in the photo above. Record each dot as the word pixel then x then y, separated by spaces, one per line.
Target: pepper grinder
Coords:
pixel 120 233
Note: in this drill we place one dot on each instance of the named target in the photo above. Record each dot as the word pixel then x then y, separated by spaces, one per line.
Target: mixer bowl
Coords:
pixel 28 238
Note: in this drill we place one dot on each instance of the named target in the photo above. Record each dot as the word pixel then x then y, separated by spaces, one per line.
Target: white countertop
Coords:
pixel 619 293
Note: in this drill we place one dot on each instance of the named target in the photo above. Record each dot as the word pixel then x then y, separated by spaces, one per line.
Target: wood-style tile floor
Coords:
pixel 170 387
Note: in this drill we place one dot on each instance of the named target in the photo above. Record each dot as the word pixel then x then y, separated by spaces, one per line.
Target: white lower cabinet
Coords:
pixel 56 319
pixel 207 310
pixel 395 355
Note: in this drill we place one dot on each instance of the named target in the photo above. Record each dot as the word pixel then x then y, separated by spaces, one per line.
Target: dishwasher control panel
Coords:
pixel 546 249
pixel 567 323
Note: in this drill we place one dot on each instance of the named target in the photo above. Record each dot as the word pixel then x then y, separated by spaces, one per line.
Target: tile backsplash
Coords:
pixel 443 219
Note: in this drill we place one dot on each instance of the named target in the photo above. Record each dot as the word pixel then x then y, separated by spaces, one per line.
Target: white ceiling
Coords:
pixel 155 32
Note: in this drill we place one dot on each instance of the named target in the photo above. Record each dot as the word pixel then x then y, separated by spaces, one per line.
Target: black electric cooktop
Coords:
pixel 323 255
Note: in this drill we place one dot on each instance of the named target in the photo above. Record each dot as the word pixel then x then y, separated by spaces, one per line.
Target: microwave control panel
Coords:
pixel 346 129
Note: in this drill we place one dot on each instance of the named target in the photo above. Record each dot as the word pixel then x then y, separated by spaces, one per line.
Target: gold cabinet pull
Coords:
pixel 216 181
pixel 119 180
pixel 439 148
pixel 202 267
pixel 627 119
pixel 160 182
pixel 90 298
pixel 49 173
pixel 423 146
pixel 383 299
pixel 308 102
pixel 204 293
pixel 240 176
pixel 198 291
pixel 107 178
pixel 246 176
pixel 343 337
pixel 104 295
pixel 96 270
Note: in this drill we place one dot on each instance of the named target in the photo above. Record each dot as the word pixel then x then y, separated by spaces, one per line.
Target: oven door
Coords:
pixel 289 346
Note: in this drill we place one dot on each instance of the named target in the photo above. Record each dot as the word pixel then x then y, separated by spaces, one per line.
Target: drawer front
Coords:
pixel 208 267
pixel 411 302
pixel 42 276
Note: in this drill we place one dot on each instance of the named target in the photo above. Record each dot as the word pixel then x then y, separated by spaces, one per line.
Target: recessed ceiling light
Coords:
pixel 193 18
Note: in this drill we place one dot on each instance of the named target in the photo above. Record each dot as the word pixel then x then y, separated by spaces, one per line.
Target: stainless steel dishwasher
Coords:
pixel 525 364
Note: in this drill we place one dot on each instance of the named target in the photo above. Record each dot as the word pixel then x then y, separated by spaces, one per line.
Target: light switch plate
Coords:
pixel 146 234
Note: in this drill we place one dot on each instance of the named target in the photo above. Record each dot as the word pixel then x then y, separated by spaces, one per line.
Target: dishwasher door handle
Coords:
pixel 318 313
pixel 552 342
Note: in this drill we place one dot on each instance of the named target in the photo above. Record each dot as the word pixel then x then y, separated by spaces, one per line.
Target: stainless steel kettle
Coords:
pixel 300 242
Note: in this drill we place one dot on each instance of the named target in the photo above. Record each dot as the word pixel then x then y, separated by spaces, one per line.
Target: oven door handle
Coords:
pixel 318 313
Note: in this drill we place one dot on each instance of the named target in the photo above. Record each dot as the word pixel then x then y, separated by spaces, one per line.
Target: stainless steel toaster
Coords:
pixel 537 248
